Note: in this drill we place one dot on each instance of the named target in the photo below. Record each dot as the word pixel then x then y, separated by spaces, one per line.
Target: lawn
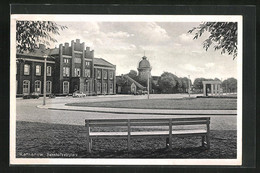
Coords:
pixel 185 104
pixel 41 140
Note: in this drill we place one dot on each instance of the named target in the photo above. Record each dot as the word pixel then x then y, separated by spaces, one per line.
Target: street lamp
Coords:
pixel 148 87
pixel 44 80
pixel 189 85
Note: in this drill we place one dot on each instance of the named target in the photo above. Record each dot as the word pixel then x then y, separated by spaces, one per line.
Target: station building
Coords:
pixel 69 68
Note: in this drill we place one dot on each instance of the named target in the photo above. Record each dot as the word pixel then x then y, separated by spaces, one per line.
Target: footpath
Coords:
pixel 63 107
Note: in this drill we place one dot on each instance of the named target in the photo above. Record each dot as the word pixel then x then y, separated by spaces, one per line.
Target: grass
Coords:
pixel 185 103
pixel 41 140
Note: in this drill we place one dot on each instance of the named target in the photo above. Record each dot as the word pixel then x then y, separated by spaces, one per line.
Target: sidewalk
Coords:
pixel 137 111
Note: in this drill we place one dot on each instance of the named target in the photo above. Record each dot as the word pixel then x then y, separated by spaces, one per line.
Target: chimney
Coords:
pixel 66 44
pixel 92 53
pixel 77 40
pixel 87 49
pixel 42 47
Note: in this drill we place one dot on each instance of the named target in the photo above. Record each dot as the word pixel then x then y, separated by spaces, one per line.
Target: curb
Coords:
pixel 142 113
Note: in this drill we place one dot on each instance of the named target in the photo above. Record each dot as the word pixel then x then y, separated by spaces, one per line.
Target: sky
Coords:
pixel 167 45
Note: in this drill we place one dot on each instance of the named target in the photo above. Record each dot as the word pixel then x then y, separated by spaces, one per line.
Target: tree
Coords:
pixel 167 82
pixel 222 34
pixel 230 85
pixel 133 74
pixel 198 83
pixel 177 87
pixel 185 84
pixel 121 81
pixel 29 33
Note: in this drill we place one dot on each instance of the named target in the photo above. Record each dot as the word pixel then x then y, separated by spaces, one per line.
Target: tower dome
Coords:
pixel 144 63
pixel 144 69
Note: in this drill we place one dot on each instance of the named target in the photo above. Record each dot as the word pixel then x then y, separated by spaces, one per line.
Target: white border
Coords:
pixel 123 18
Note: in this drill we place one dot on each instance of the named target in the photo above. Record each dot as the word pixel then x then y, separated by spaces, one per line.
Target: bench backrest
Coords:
pixel 146 122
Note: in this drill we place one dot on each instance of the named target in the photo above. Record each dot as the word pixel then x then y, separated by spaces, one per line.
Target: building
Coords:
pixel 144 69
pixel 127 85
pixel 69 68
pixel 30 71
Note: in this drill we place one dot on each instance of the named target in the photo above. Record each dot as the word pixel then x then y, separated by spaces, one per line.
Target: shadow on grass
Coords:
pixel 40 140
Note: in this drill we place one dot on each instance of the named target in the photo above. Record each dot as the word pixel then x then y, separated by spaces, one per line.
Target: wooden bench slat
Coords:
pixel 173 119
pixel 106 120
pixel 114 124
pixel 145 133
pixel 167 124
pixel 154 119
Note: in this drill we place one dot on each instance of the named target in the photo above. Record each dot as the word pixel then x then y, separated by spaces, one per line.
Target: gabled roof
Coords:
pixel 102 62
pixel 135 82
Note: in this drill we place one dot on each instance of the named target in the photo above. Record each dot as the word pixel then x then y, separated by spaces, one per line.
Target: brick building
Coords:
pixel 69 68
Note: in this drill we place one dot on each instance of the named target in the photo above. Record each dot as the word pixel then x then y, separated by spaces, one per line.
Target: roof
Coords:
pixel 144 63
pixel 132 80
pixel 41 53
pixel 102 62
pixel 211 82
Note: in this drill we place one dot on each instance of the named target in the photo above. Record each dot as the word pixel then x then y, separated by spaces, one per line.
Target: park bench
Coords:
pixel 168 132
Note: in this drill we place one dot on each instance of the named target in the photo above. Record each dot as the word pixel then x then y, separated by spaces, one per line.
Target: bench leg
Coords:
pixel 167 143
pixel 90 145
pixel 208 143
pixel 128 144
pixel 203 141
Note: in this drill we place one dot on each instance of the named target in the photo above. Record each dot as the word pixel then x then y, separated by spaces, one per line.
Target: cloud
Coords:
pixel 119 34
pixel 210 64
pixel 186 37
pixel 168 47
pixel 192 68
pixel 177 45
pixel 90 27
pixel 150 33
pixel 197 51
pixel 119 48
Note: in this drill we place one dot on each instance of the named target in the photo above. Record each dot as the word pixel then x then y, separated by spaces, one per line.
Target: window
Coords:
pixel 26 69
pixel 111 87
pixel 98 87
pixel 105 88
pixel 48 70
pixel 37 86
pixel 98 74
pixel 77 72
pixel 87 63
pixel 26 87
pixel 86 87
pixel 104 74
pixel 66 71
pixel 48 87
pixel 38 70
pixel 111 75
pixel 65 87
pixel 66 60
pixel 87 72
